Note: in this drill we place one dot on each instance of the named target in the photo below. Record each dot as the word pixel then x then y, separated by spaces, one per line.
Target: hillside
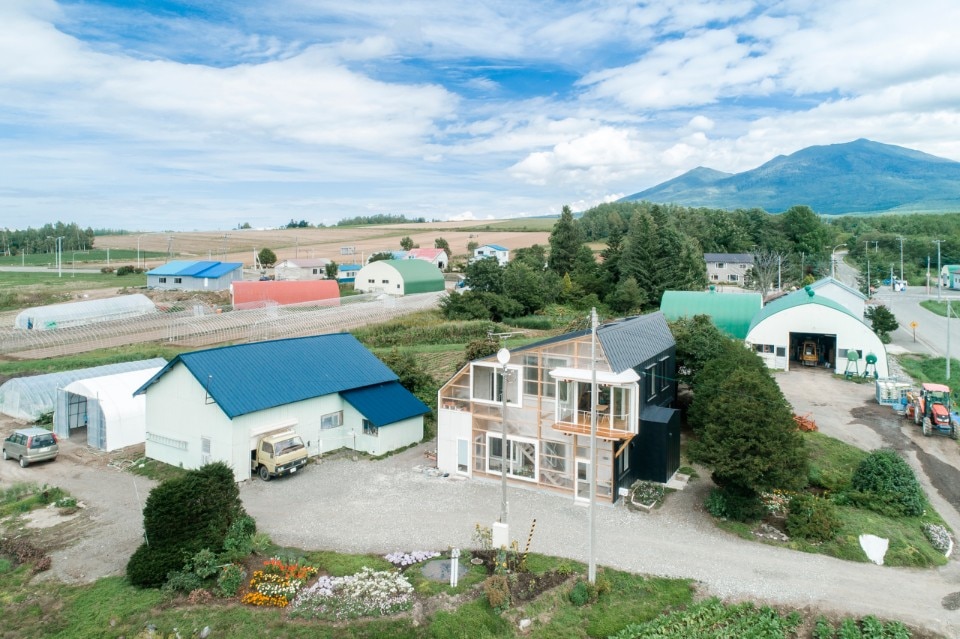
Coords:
pixel 855 177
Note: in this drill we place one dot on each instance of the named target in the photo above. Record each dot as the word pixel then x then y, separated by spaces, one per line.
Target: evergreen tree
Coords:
pixel 613 253
pixel 698 342
pixel 565 240
pixel 626 298
pixel 637 260
pixel 587 273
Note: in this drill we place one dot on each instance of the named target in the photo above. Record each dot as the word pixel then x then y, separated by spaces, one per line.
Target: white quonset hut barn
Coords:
pixel 846 296
pixel 28 398
pixel 778 332
pixel 213 405
pixel 399 277
pixel 46 318
pixel 106 407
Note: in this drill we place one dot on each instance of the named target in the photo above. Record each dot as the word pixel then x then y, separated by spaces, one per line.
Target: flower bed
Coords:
pixel 277 583
pixel 645 495
pixel 364 594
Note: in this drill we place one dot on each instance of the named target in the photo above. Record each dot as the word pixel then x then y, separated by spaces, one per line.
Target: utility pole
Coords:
pixel 948 341
pixel 939 277
pixel 592 566
pixel 866 253
pixel 900 237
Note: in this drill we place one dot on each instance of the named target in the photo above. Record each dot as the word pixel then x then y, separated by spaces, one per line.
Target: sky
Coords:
pixel 203 115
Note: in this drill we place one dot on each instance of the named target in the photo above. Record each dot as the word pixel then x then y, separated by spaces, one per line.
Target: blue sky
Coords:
pixel 158 114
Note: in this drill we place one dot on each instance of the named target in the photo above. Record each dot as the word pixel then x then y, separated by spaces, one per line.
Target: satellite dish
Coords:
pixel 503 356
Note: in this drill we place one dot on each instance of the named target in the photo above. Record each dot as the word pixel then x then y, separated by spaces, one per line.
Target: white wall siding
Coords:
pixel 451 426
pixel 386 279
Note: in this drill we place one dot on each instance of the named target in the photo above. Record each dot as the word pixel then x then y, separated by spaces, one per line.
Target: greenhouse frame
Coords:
pixel 28 398
pixel 54 316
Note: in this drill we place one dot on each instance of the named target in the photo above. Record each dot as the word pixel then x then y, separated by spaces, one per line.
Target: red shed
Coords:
pixel 267 293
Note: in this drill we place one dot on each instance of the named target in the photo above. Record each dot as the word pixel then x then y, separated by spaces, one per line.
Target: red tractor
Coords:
pixel 931 410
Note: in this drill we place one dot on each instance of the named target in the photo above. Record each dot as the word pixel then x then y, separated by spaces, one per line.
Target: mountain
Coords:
pixel 855 177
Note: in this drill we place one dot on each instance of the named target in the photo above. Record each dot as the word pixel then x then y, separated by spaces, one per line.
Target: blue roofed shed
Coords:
pixel 201 275
pixel 215 404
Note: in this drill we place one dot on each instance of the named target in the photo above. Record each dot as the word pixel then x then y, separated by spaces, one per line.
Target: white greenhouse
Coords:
pixel 45 318
pixel 27 398
pixel 106 407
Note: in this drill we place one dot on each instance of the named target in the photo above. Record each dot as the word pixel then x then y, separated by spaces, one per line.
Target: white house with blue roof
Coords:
pixel 782 329
pixel 194 276
pixel 213 405
pixel 502 253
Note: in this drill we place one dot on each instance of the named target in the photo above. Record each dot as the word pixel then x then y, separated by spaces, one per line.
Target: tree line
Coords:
pixel 44 239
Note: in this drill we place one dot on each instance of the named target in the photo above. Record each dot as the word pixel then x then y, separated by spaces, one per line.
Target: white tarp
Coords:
pixel 118 420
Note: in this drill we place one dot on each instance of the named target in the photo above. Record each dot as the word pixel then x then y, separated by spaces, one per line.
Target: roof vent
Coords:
pixel 809 290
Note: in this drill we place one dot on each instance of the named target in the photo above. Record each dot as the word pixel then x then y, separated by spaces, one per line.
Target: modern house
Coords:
pixel 781 330
pixel 492 250
pixel 259 294
pixel 194 276
pixel 301 269
pixel 548 389
pixel 399 277
pixel 213 405
pixel 730 312
pixel 437 257
pixel 728 268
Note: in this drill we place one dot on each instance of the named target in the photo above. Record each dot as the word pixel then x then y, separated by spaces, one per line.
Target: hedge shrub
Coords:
pixel 810 517
pixel 885 483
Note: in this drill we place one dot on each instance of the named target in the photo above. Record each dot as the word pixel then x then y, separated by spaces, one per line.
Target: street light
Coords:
pixel 138 250
pixel 833 260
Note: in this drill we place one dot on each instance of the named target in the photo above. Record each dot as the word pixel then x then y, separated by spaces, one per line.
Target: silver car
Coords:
pixel 29 445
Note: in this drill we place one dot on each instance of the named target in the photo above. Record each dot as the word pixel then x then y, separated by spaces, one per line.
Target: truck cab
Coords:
pixel 278 454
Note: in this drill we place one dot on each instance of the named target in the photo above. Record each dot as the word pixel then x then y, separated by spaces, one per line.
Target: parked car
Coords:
pixel 30 445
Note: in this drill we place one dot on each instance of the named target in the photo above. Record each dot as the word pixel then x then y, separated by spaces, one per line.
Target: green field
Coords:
pixel 940 308
pixel 23 290
pixel 117 257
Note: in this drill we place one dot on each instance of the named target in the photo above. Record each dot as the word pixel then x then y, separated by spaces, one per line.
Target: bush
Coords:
pixel 580 594
pixel 728 503
pixel 497 590
pixel 239 540
pixel 106 270
pixel 185 581
pixel 885 483
pixel 149 565
pixel 128 270
pixel 810 517
pixel 231 578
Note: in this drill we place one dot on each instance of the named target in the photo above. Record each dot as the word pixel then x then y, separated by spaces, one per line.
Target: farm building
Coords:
pixel 846 296
pixel 549 404
pixel 301 269
pixel 950 277
pixel 728 268
pixel 492 250
pixel 730 312
pixel 437 257
pixel 45 318
pixel 106 407
pixel 399 277
pixel 28 398
pixel 780 331
pixel 260 294
pixel 194 276
pixel 212 405
pixel 347 273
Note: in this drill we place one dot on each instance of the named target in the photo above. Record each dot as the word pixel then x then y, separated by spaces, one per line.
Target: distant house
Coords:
pixel 301 269
pixel 950 276
pixel 549 405
pixel 273 293
pixel 728 268
pixel 730 312
pixel 212 405
pixel 347 273
pixel 399 277
pixel 492 250
pixel 194 276
pixel 437 257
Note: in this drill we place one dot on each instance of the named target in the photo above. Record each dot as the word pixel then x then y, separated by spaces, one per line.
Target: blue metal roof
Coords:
pixel 385 403
pixel 350 267
pixel 495 247
pixel 196 269
pixel 247 378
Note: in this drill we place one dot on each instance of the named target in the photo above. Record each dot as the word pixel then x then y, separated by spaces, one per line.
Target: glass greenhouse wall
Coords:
pixel 28 398
pixel 45 318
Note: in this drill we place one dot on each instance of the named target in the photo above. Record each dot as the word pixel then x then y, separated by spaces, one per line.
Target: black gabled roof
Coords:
pixel 627 343
pixel 634 340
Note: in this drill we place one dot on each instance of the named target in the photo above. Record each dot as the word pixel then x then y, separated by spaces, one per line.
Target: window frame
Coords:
pixel 339 419
pixel 516 400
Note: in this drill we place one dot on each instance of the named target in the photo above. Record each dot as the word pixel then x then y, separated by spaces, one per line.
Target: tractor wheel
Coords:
pixel 264 473
pixel 926 428
pixel 953 432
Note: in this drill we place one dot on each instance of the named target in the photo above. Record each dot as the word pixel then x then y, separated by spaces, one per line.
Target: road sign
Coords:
pixel 914 325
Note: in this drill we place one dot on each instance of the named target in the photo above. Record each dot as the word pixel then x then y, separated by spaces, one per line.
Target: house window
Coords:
pixel 331 420
pixel 488 382
pixel 623 461
pixel 398 286
pixel 733 277
pixel 720 265
pixel 520 461
pixel 531 374
pixel 163 280
pixel 554 457
pixel 316 271
pixel 662 372
pixel 763 348
pixel 714 277
pixel 463 450
pixel 371 281
pixel 178 280
pixel 370 429
pixel 550 384
pixel 781 351
pixel 743 267
pixel 384 281
pixel 651 375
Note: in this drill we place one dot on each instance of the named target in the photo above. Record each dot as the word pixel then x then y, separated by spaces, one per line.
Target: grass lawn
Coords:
pixel 93 358
pixel 932 369
pixel 940 308
pixel 118 257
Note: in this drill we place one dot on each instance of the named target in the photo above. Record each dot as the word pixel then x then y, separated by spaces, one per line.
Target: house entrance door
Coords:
pixel 582 490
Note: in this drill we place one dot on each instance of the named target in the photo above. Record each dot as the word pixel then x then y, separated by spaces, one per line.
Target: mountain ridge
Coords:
pixel 862 176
